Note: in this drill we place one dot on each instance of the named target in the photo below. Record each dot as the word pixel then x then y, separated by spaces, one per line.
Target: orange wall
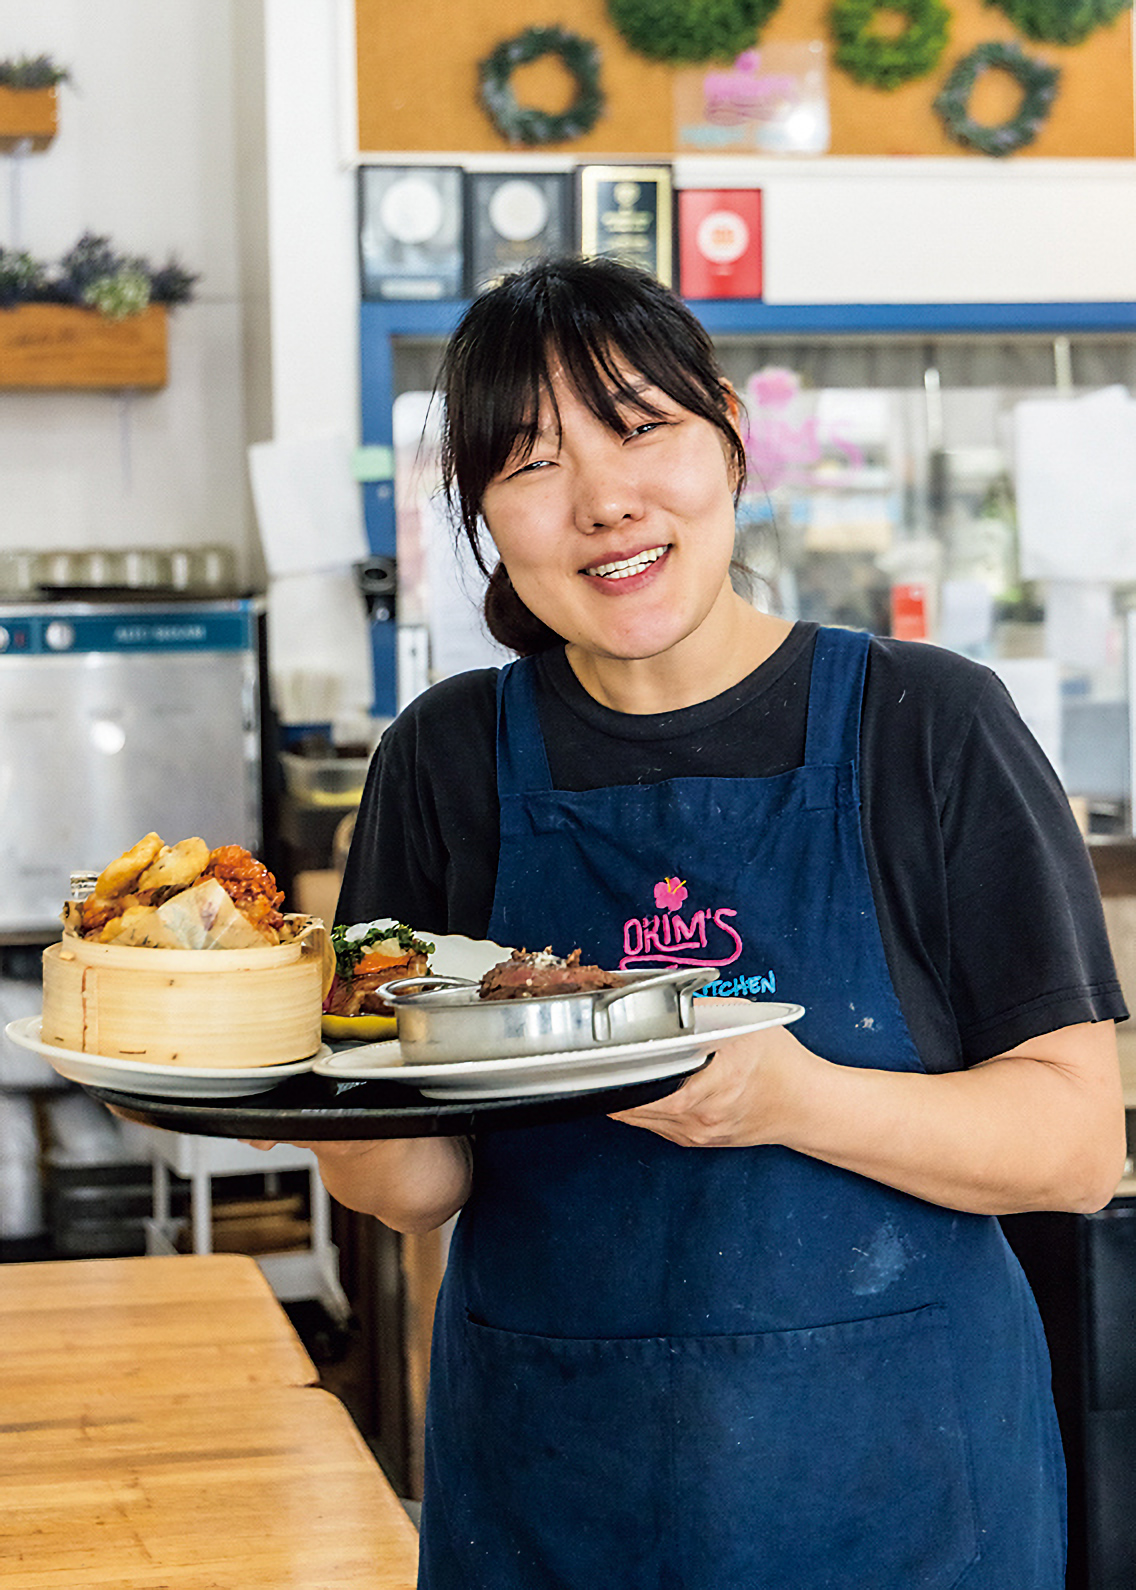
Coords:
pixel 417 64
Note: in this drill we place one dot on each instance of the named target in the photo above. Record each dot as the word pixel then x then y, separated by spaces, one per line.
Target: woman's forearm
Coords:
pixel 1021 1132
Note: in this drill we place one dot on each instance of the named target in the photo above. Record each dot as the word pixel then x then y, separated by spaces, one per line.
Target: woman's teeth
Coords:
pixel 628 566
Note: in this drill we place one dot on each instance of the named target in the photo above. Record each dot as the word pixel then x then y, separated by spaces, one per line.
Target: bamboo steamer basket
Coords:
pixel 223 1008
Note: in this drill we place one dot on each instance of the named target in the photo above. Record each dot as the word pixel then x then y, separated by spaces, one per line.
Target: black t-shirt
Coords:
pixel 987 900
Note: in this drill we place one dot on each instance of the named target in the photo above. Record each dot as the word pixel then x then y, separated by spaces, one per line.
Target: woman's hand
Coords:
pixel 409 1183
pixel 736 1099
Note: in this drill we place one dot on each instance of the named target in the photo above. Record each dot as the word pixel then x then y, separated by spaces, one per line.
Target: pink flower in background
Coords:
pixel 670 894
pixel 780 435
pixel 774 387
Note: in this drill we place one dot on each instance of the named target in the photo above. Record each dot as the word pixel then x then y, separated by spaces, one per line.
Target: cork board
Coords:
pixel 417 71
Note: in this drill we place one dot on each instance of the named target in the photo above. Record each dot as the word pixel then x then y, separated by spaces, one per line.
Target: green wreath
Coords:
pixel 685 31
pixel 525 124
pixel 883 62
pixel 1060 21
pixel 1038 83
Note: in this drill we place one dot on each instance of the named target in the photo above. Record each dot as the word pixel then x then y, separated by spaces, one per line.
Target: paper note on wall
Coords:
pixel 310 517
pixel 440 585
pixel 1080 630
pixel 308 505
pixel 319 647
pixel 1075 482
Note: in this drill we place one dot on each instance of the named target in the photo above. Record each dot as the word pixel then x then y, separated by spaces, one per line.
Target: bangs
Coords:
pixel 598 375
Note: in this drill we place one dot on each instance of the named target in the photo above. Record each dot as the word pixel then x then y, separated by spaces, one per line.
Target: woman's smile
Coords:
pixel 627 568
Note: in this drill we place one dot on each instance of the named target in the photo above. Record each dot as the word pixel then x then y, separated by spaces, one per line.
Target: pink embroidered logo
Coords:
pixel 706 938
pixel 670 894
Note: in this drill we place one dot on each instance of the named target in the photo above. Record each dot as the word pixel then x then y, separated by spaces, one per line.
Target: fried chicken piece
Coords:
pixel 250 886
pixel 119 875
pixel 176 867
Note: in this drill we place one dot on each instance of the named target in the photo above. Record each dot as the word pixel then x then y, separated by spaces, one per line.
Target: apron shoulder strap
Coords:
pixel 522 761
pixel 836 693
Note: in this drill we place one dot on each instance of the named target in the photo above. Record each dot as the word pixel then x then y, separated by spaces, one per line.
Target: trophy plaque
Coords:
pixel 410 231
pixel 627 213
pixel 512 220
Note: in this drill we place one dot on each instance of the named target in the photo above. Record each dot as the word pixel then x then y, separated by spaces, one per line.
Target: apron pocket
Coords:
pixel 825 1459
pixel 832 1458
pixel 545 1462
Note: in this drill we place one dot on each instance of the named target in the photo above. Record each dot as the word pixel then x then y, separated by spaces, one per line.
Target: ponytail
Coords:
pixel 510 622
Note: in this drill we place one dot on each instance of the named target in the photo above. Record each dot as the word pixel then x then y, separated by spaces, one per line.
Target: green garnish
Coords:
pixel 352 940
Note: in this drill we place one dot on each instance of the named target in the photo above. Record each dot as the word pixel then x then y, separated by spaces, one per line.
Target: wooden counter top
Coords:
pixel 160 1430
pixel 254 1490
pixel 86 1332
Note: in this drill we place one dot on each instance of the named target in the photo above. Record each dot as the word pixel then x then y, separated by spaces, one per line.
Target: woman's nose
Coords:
pixel 606 495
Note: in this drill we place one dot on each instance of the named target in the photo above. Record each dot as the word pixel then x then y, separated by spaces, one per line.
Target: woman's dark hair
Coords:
pixel 589 317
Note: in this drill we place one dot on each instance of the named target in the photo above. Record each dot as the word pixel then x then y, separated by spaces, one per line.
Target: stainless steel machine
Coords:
pixel 116 719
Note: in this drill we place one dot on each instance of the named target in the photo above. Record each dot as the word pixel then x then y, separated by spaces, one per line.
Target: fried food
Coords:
pixel 121 875
pixel 250 886
pixel 183 896
pixel 176 867
pixel 115 926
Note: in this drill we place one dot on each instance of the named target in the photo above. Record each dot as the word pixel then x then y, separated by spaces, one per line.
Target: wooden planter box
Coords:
pixel 62 346
pixel 27 113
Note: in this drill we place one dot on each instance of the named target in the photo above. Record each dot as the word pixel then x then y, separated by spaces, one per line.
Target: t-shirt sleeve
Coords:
pixel 1029 950
pixel 389 871
pixel 424 847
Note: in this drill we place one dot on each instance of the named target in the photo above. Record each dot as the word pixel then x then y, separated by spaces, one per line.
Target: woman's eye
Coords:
pixel 646 428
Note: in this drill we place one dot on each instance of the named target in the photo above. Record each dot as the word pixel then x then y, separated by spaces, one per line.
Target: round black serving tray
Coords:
pixel 318 1109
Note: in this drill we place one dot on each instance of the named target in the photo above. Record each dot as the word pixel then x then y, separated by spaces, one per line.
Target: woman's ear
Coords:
pixel 734 410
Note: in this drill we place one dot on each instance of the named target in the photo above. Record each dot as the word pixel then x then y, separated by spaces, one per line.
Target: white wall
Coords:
pixel 318 626
pixel 147 154
pixel 309 52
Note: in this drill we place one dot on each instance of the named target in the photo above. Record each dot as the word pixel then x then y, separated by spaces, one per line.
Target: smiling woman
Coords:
pixel 666 1317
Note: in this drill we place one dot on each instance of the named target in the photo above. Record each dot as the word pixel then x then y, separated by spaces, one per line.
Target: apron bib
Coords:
pixel 660 1368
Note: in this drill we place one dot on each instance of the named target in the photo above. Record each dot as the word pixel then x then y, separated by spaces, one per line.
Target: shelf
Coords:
pixel 1115 864
pixel 27 115
pixel 65 347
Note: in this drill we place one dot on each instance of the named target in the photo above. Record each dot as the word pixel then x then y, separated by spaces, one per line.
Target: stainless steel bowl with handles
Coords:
pixel 443 1019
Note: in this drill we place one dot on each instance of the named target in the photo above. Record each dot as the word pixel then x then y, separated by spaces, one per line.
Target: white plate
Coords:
pixel 575 1071
pixel 134 1076
pixel 456 956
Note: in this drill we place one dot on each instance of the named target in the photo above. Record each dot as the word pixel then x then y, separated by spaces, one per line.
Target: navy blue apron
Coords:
pixel 664 1368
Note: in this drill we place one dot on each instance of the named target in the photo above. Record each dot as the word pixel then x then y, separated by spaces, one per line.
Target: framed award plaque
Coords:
pixel 627 213
pixel 410 231
pixel 514 219
pixel 719 242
